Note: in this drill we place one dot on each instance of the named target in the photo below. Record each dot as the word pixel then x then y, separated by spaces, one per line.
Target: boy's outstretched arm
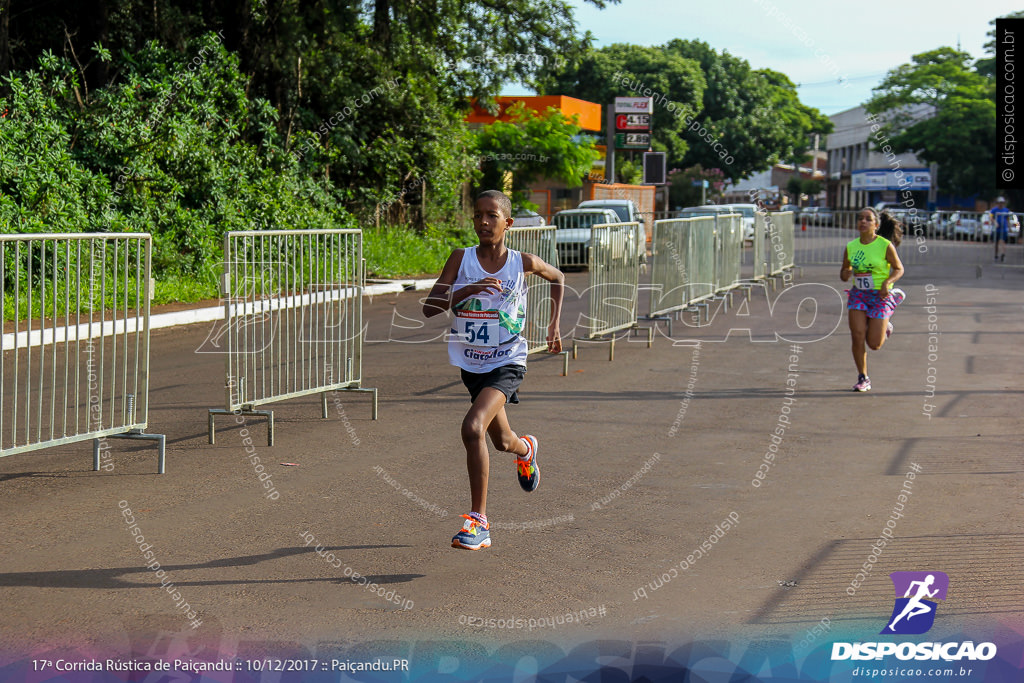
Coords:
pixel 535 264
pixel 440 298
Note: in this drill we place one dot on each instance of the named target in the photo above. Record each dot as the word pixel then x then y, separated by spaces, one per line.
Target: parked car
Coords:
pixel 721 210
pixel 964 227
pixel 706 210
pixel 1012 227
pixel 527 219
pixel 748 211
pixel 790 207
pixel 573 234
pixel 817 215
pixel 628 212
pixel 626 209
pixel 939 224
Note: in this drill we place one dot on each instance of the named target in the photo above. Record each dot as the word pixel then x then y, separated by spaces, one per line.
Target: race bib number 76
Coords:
pixel 864 281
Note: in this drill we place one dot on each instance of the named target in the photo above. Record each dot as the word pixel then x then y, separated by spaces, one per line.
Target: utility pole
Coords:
pixel 609 154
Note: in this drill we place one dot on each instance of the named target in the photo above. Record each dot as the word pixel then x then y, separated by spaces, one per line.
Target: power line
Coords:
pixel 839 81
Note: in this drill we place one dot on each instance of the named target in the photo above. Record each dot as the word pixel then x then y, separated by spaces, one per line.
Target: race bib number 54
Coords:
pixel 864 281
pixel 477 328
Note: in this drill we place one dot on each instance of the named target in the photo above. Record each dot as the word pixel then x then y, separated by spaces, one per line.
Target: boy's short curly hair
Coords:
pixel 504 203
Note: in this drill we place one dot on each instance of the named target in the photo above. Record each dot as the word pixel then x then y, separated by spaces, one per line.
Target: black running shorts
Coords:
pixel 505 379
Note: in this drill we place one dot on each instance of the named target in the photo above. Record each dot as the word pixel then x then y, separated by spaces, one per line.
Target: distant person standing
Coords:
pixel 1000 227
pixel 871 260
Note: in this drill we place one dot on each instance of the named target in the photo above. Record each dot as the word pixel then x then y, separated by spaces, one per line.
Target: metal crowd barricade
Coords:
pixel 729 253
pixel 702 261
pixel 820 239
pixel 614 283
pixel 760 255
pixel 670 275
pixel 671 272
pixel 694 260
pixel 928 237
pixel 782 245
pixel 539 241
pixel 75 364
pixel 293 319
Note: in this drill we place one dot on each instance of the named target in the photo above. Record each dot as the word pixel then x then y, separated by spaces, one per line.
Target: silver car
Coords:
pixel 573 234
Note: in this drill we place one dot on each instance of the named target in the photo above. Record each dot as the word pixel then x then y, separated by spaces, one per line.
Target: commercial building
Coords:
pixel 860 175
pixel 770 186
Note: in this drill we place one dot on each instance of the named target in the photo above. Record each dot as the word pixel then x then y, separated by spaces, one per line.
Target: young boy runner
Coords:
pixel 486 288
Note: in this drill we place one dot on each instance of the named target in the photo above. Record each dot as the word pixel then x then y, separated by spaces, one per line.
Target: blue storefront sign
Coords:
pixel 873 180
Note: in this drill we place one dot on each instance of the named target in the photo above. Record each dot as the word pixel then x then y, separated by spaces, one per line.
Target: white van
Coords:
pixel 748 211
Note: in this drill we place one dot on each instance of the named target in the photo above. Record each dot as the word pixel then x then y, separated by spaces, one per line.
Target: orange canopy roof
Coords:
pixel 589 112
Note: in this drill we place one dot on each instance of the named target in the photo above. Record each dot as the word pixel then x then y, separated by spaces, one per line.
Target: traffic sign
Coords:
pixel 633 121
pixel 632 140
pixel 634 105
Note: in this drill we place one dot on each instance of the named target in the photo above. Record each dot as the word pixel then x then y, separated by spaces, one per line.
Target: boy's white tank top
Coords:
pixel 487 329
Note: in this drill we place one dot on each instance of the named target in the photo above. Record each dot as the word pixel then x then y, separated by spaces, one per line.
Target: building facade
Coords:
pixel 863 169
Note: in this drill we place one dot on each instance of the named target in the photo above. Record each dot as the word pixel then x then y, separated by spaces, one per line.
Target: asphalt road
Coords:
pixel 643 460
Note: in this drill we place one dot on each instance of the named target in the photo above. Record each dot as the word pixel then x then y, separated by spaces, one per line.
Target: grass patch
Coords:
pixel 184 288
pixel 398 251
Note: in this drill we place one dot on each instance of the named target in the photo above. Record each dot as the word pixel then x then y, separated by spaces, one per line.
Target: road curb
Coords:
pixel 207 314
pixel 212 313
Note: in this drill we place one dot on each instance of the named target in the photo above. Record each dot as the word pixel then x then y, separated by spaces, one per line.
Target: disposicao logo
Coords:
pixel 912 614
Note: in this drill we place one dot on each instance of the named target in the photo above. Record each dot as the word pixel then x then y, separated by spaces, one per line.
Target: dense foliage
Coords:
pixel 532 146
pixel 188 118
pixel 370 94
pixel 710 108
pixel 174 148
pixel 941 109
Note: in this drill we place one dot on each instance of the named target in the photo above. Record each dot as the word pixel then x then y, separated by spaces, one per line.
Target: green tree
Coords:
pixel 797 186
pixel 756 115
pixel 621 70
pixel 177 152
pixel 533 146
pixel 726 114
pixel 811 187
pixel 942 110
pixel 312 60
pixel 986 66
pixel 683 192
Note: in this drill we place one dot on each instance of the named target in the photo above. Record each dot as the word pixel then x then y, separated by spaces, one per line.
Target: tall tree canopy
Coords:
pixel 370 94
pixel 727 115
pixel 957 128
pixel 622 70
pixel 755 113
pixel 986 66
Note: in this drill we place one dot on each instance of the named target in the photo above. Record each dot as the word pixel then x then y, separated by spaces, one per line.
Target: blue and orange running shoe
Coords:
pixel 474 534
pixel 527 469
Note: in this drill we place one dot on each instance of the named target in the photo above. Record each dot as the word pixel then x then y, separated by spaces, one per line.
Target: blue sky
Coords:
pixel 814 43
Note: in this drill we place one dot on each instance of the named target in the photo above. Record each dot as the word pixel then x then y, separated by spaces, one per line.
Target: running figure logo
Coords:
pixel 913 614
